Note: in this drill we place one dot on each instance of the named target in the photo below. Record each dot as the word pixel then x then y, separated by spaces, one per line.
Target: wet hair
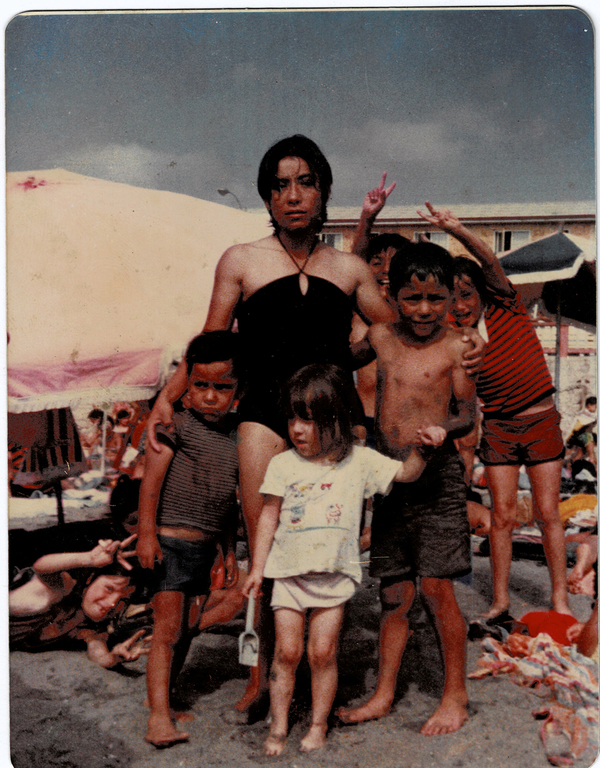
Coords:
pixel 306 149
pixel 471 269
pixel 326 395
pixel 213 347
pixel 380 243
pixel 422 260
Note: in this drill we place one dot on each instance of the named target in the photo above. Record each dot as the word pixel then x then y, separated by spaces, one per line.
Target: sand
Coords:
pixel 68 713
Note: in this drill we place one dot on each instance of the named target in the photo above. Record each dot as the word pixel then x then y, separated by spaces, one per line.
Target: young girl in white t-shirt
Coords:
pixel 308 536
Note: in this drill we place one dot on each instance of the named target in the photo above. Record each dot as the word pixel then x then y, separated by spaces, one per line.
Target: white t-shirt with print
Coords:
pixel 319 524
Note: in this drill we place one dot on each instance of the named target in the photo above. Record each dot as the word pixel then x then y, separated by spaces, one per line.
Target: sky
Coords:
pixel 459 106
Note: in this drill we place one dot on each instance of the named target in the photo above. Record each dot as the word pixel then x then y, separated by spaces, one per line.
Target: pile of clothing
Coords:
pixel 567 680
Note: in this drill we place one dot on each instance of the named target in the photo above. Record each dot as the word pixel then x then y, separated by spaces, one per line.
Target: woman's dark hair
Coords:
pixel 471 269
pixel 96 413
pixel 380 243
pixel 326 395
pixel 421 259
pixel 213 347
pixel 295 146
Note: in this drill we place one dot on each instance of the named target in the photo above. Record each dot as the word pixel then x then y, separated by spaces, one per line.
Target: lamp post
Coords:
pixel 224 192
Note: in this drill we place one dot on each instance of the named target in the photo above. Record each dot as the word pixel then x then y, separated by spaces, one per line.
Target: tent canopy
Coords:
pixel 106 284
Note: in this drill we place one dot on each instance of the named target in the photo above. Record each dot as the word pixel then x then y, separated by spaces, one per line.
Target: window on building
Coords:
pixel 333 239
pixel 439 238
pixel 508 239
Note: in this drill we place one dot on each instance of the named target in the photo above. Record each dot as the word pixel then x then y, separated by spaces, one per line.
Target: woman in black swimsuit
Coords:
pixel 293 297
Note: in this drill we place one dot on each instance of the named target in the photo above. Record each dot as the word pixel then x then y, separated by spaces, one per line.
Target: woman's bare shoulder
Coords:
pixel 236 256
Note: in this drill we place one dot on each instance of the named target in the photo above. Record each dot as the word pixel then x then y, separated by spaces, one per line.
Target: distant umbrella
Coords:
pixel 564 266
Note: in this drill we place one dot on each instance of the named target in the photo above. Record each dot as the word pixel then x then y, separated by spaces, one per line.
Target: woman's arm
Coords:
pixel 371 305
pixel 227 290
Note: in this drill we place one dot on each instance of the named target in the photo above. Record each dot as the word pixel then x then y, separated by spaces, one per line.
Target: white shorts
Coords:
pixel 312 590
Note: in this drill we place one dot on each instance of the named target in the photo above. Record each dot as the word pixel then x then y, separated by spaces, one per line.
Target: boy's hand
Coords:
pixel 473 357
pixel 130 650
pixel 147 550
pixel 232 573
pixel 375 199
pixel 252 584
pixel 105 551
pixel 443 218
pixel 432 435
pixel 162 413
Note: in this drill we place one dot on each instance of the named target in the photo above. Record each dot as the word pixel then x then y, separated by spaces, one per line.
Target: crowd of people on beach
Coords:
pixel 339 398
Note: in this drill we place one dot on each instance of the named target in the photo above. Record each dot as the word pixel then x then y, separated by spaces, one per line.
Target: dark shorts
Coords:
pixel 421 528
pixel 185 566
pixel 532 439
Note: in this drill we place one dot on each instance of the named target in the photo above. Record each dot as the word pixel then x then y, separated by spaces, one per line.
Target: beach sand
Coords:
pixel 68 713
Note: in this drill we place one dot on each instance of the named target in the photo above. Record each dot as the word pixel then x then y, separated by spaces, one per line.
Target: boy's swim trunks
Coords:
pixel 185 566
pixel 532 439
pixel 421 528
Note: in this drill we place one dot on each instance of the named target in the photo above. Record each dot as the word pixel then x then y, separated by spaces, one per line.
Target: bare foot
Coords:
pixel 314 739
pixel 447 718
pixel 275 744
pixel 181 717
pixel 162 733
pixel 373 709
pixel 495 610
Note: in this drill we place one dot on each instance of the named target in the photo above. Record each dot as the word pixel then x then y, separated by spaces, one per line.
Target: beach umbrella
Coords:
pixel 562 266
pixel 106 284
pixel 561 270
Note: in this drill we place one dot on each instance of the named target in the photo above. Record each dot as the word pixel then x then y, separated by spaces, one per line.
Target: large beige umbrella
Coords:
pixel 106 283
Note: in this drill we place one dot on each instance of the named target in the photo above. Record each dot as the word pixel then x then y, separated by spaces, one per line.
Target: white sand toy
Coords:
pixel 249 639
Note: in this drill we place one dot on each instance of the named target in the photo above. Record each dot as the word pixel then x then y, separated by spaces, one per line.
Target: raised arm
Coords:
pixel 448 222
pixel 102 554
pixel 373 203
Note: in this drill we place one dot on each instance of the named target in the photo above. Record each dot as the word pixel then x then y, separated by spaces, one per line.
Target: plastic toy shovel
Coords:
pixel 249 639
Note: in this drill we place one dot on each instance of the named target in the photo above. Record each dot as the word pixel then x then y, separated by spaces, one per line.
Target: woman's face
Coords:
pixel 467 305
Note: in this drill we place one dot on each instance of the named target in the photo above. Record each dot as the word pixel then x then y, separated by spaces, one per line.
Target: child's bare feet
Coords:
pixel 314 739
pixel 162 733
pixel 448 717
pixel 275 744
pixel 373 709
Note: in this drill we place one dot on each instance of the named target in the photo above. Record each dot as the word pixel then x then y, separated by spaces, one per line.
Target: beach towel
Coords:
pixel 565 678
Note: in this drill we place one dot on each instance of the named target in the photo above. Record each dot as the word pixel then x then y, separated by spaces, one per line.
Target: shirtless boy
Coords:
pixel 423 531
